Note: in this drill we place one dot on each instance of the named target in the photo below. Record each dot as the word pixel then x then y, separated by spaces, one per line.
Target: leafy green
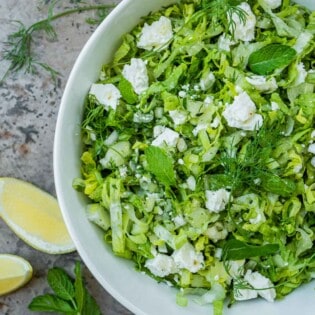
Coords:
pixel 161 165
pixel 235 250
pixel 271 57
pixel 127 91
pixel 50 303
pixel 61 283
pixel 71 296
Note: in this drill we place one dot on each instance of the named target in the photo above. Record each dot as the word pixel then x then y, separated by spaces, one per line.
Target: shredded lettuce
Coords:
pixel 155 168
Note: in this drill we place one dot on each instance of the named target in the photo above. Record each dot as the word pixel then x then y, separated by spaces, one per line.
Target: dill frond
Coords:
pixel 18 49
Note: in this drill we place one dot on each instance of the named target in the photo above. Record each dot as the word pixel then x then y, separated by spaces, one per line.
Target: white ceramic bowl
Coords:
pixel 138 292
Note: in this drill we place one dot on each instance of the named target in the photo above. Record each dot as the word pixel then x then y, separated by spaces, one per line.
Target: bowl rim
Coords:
pixel 56 161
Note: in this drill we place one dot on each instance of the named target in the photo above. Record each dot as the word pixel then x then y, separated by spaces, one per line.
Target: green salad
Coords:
pixel 199 149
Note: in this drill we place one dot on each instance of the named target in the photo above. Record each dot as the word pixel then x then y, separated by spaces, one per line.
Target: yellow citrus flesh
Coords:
pixel 14 273
pixel 34 216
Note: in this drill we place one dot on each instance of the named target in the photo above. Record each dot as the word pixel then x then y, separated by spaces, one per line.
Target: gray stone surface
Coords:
pixel 28 111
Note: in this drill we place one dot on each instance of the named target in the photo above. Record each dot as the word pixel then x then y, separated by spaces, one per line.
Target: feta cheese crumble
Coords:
pixel 217 200
pixel 301 74
pixel 161 265
pixel 178 116
pixel 271 4
pixel 244 30
pixel 186 257
pixel 242 113
pixel 106 94
pixel 258 281
pixel 156 35
pixel 225 42
pixel 164 136
pixel 136 74
pixel 262 84
pixel 216 232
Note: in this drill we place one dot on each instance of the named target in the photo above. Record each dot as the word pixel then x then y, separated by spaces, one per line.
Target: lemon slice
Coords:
pixel 34 216
pixel 14 273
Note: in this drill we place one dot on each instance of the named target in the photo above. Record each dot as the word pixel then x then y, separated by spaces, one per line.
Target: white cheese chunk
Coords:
pixel 217 200
pixel 136 74
pixel 242 113
pixel 165 136
pixel 178 116
pixel 301 74
pixel 156 35
pixel 258 281
pixel 262 84
pixel 186 257
pixel 244 29
pixel 311 148
pixel 216 232
pixel 106 94
pixel 302 41
pixel 161 265
pixel 271 4
pixel 191 183
pixel 225 42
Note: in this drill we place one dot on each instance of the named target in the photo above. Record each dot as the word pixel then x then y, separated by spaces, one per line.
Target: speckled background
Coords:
pixel 28 112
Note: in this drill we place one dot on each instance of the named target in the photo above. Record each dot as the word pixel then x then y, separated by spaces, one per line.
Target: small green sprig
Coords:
pixel 71 296
pixel 18 49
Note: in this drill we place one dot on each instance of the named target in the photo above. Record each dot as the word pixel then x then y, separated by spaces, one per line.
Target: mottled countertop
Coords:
pixel 28 112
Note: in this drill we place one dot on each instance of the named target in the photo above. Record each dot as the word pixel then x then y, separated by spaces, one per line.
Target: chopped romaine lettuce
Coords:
pixel 222 197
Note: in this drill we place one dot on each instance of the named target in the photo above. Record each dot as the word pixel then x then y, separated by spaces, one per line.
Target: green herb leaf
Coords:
pixel 90 306
pixel 271 57
pixel 160 164
pixel 281 186
pixel 127 91
pixel 78 286
pixel 50 303
pixel 61 283
pixel 235 250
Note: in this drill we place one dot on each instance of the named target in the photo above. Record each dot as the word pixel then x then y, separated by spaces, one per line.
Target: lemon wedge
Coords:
pixel 15 271
pixel 34 216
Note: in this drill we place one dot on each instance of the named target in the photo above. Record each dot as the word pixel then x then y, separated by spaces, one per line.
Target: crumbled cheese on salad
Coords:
pixel 244 29
pixel 217 200
pixel 156 35
pixel 199 147
pixel 242 113
pixel 186 257
pixel 136 73
pixel 106 94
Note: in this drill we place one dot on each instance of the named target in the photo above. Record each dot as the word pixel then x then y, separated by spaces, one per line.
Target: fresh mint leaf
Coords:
pixel 61 283
pixel 127 91
pixel 72 297
pixel 50 303
pixel 271 57
pixel 78 286
pixel 160 164
pixel 90 306
pixel 235 250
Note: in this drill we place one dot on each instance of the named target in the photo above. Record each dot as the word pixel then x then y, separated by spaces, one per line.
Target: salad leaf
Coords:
pixel 161 165
pixel 235 250
pixel 271 57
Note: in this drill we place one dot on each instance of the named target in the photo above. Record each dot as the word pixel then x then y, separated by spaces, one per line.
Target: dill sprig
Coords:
pixel 18 49
pixel 247 167
pixel 222 11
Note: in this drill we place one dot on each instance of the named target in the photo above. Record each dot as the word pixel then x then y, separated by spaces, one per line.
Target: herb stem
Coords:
pixel 71 11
